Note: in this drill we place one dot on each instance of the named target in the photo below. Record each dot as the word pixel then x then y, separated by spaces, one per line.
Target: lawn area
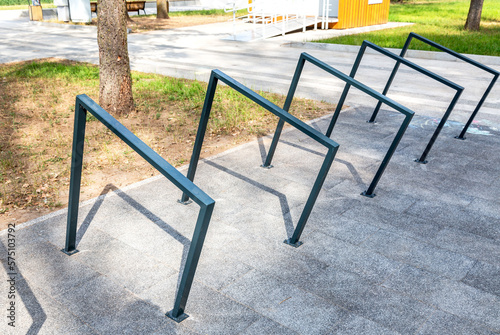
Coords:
pixel 23 4
pixel 439 20
pixel 37 101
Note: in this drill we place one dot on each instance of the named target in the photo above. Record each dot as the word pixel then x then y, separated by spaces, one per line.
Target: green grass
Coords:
pixel 51 70
pixel 208 12
pixel 441 22
pixel 15 7
pixel 205 12
pixel 22 2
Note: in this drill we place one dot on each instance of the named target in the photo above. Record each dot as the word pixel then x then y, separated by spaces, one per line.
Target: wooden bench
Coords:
pixel 132 6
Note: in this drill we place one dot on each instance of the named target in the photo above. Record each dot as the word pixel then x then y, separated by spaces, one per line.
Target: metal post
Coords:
pixel 430 74
pixel 354 69
pixel 468 60
pixel 391 79
pixel 320 179
pixel 76 177
pixel 402 129
pixel 351 82
pixel 200 232
pixel 284 116
pixel 478 107
pixel 286 107
pixel 200 135
pixel 438 129
pixel 83 105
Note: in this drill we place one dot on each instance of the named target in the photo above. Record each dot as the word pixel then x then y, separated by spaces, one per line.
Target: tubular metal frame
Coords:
pixel 83 105
pixel 400 60
pixel 495 74
pixel 332 146
pixel 349 81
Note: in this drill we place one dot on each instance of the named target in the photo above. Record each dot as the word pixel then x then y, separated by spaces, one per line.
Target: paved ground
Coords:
pixel 422 257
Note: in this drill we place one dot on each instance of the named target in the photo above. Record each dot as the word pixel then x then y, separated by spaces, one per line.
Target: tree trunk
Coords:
pixel 474 16
pixel 162 9
pixel 115 81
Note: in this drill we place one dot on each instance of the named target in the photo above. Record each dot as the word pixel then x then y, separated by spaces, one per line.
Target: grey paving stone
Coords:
pixel 478 171
pixel 463 186
pixel 448 295
pixel 54 272
pixel 210 312
pixel 132 216
pixel 217 269
pixel 250 250
pixel 389 309
pixel 349 257
pixel 297 268
pixel 348 189
pixel 347 230
pixel 404 249
pixel 373 215
pixel 286 304
pixel 356 325
pixel 117 260
pixel 427 189
pixel 267 326
pixel 471 245
pixel 484 165
pixel 442 323
pixel 252 222
pixel 27 239
pixel 392 221
pixel 393 201
pixel 153 237
pixel 426 209
pixel 485 277
pixel 174 331
pixel 487 207
pixel 326 213
pixel 23 240
pixel 41 314
pixel 278 194
pixel 138 317
pixel 415 227
pixel 97 299
pixel 470 221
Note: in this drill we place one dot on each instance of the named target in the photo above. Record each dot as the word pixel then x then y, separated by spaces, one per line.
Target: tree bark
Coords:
pixel 115 81
pixel 474 17
pixel 162 9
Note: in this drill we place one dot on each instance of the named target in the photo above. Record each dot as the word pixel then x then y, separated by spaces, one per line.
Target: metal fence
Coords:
pixel 349 82
pixel 459 89
pixel 83 105
pixel 472 62
pixel 283 115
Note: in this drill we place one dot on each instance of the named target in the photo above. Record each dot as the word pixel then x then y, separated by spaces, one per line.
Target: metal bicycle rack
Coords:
pixel 459 89
pixel 349 82
pixel 83 105
pixel 495 74
pixel 331 145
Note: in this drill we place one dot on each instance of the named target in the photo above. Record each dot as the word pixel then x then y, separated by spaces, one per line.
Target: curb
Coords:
pixel 432 55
